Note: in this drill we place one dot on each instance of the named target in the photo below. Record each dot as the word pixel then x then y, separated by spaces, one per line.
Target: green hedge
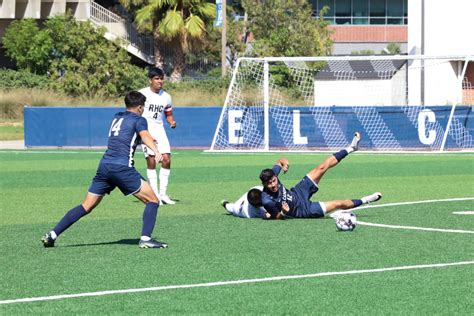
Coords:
pixel 12 79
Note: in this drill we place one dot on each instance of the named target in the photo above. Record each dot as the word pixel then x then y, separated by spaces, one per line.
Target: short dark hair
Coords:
pixel 254 196
pixel 266 175
pixel 134 99
pixel 155 72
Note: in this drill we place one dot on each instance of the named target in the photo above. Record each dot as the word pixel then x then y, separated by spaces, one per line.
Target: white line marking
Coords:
pixel 415 202
pixel 412 227
pixel 464 213
pixel 418 228
pixel 223 283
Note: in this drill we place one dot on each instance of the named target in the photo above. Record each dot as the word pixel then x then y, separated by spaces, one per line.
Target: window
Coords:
pixel 343 11
pixel 377 8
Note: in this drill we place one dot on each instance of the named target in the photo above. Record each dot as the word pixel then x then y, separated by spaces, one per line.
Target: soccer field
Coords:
pixel 412 252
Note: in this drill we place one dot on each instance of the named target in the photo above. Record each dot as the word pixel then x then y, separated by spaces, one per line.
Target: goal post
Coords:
pixel 398 103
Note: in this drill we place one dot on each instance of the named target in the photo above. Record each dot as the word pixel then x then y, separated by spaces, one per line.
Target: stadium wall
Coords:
pixel 89 126
pixel 407 127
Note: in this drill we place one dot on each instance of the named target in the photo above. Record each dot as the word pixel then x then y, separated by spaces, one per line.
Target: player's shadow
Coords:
pixel 118 242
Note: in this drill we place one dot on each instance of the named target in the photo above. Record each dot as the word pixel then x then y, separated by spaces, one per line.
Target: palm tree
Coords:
pixel 174 23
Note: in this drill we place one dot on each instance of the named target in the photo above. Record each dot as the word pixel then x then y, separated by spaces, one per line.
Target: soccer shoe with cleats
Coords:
pixel 373 197
pixel 224 203
pixel 47 240
pixel 166 200
pixel 151 244
pixel 355 141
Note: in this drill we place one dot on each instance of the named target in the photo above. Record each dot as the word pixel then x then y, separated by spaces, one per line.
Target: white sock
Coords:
pixel 229 207
pixel 164 176
pixel 349 149
pixel 145 238
pixel 152 180
pixel 53 235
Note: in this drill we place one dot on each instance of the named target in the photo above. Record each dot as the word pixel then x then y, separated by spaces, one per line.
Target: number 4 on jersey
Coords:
pixel 115 127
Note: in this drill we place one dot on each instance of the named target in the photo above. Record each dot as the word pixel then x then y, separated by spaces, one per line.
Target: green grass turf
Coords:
pixel 100 252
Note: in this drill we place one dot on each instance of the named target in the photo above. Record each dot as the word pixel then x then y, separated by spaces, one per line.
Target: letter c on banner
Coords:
pixel 423 116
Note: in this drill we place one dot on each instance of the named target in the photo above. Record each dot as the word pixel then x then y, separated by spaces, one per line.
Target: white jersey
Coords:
pixel 156 105
pixel 242 207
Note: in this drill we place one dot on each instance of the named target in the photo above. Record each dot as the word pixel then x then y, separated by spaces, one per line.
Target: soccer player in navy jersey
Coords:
pixel 281 202
pixel 116 169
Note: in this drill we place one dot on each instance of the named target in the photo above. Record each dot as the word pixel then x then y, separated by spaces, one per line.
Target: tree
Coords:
pixel 75 55
pixel 174 23
pixel 286 28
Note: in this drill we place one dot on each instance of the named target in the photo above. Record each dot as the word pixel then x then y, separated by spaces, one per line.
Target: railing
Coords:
pixel 121 28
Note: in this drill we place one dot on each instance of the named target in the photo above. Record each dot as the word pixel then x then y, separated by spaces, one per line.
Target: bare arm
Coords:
pixel 150 142
pixel 170 120
pixel 284 164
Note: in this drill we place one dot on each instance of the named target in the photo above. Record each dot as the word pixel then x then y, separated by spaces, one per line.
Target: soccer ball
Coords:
pixel 346 221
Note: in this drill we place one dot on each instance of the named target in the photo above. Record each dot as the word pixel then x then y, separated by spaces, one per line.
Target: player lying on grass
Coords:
pixel 116 170
pixel 280 202
pixel 248 206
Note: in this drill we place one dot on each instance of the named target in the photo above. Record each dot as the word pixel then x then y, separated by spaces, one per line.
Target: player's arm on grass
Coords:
pixel 273 210
pixel 148 140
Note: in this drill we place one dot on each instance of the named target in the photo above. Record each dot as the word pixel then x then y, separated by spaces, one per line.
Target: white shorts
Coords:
pixel 159 134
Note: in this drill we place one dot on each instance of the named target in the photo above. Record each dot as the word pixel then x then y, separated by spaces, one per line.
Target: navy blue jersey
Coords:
pixel 124 138
pixel 272 201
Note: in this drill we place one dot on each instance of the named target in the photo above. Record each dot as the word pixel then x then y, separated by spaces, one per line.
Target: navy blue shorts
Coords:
pixel 109 176
pixel 305 190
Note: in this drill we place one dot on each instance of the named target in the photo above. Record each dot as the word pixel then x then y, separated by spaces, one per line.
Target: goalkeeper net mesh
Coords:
pixel 397 102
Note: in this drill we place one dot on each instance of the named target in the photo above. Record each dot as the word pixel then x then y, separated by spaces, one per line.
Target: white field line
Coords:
pixel 412 227
pixel 464 213
pixel 236 282
pixel 416 202
pixel 418 228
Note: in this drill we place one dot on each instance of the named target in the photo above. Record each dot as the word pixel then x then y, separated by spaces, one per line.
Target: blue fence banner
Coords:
pixel 89 126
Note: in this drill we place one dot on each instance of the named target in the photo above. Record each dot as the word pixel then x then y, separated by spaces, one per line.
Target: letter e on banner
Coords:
pixel 423 116
pixel 235 117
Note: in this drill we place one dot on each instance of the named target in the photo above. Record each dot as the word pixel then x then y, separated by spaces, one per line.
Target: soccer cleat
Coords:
pixel 151 244
pixel 355 141
pixel 47 240
pixel 166 199
pixel 373 197
pixel 224 203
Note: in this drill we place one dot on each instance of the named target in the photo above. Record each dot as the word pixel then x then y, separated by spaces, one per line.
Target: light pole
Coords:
pixel 224 40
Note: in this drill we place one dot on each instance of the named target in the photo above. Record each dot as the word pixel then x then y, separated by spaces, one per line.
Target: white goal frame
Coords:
pixel 266 96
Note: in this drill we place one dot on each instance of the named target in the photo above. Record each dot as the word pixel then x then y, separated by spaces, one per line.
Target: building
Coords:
pixel 362 26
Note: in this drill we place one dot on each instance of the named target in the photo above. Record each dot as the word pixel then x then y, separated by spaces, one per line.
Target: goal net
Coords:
pixel 398 103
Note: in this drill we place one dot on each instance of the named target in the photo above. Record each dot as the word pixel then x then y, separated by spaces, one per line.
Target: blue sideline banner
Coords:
pixel 299 128
pixel 89 126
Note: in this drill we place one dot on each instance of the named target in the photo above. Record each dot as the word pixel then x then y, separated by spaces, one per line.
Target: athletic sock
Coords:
pixel 152 180
pixel 70 218
pixel 149 218
pixel 349 149
pixel 164 176
pixel 145 238
pixel 341 154
pixel 357 202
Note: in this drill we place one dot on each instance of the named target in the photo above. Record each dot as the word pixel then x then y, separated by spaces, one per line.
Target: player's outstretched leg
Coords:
pixel 72 216
pixel 350 204
pixel 317 173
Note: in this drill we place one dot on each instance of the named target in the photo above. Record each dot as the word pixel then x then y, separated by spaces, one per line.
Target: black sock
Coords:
pixel 341 154
pixel 70 218
pixel 357 203
pixel 149 218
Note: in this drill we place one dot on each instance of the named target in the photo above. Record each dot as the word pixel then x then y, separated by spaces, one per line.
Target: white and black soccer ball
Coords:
pixel 346 221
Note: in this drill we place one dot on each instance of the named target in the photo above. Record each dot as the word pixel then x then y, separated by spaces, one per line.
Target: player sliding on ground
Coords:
pixel 280 202
pixel 248 206
pixel 116 170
